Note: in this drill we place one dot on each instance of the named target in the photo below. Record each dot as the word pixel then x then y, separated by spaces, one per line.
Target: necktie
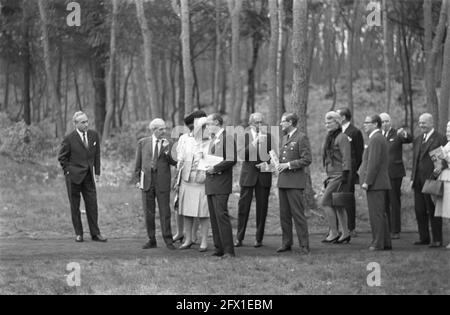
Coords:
pixel 85 140
pixel 156 154
pixel 424 138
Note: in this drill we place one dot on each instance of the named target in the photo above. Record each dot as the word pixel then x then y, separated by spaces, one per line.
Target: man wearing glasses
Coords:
pixel 374 176
pixel 152 175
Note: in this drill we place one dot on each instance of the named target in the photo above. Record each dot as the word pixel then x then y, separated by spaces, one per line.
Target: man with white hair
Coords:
pixel 79 157
pixel 152 175
pixel 423 169
pixel 396 139
pixel 257 145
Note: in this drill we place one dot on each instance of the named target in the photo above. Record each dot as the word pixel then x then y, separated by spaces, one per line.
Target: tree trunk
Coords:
pixel 54 99
pixel 110 86
pixel 181 89
pixel 100 93
pixel 256 43
pixel 234 7
pixel 187 62
pixel 272 64
pixel 148 57
pixel 280 60
pixel 6 93
pixel 217 56
pixel 300 61
pixel 445 84
pixel 386 56
pixel 26 63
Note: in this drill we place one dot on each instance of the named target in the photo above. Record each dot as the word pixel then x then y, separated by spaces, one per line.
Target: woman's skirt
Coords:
pixel 443 203
pixel 332 186
pixel 192 200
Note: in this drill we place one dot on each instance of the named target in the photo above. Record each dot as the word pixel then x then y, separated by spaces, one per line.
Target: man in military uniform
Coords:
pixel 295 156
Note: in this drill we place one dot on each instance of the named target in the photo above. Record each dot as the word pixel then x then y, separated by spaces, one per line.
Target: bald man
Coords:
pixel 152 175
pixel 396 139
pixel 79 157
pixel 423 169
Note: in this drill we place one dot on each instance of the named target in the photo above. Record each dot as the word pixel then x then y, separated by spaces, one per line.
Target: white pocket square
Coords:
pixel 94 144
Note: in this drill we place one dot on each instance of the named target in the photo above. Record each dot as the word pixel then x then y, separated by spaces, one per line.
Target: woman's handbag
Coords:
pixel 342 199
pixel 433 187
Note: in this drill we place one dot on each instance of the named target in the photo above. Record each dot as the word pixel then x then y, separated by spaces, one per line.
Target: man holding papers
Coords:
pixel 152 176
pixel 256 177
pixel 219 181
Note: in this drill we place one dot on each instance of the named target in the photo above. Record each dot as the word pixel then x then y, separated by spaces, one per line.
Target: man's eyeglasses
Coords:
pixel 368 122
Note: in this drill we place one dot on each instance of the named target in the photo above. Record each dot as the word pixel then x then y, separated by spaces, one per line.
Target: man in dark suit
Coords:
pixel 357 146
pixel 152 175
pixel 256 148
pixel 375 181
pixel 295 156
pixel 219 182
pixel 396 139
pixel 423 169
pixel 79 157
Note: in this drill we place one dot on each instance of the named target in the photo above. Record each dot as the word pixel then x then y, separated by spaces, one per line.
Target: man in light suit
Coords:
pixel 152 175
pixel 423 169
pixel 295 156
pixel 79 157
pixel 374 175
pixel 256 151
pixel 218 185
pixel 357 146
pixel 396 139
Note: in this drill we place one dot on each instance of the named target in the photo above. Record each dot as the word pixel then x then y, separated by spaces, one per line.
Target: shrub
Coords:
pixel 23 142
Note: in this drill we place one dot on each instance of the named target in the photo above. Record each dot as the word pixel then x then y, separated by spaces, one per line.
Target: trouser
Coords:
pixel 244 205
pixel 376 200
pixel 149 199
pixel 292 208
pixel 220 223
pixel 394 205
pixel 89 192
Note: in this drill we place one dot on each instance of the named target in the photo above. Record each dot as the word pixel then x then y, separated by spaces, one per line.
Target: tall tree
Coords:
pixel 155 110
pixel 110 86
pixel 272 64
pixel 187 60
pixel 445 84
pixel 300 55
pixel 54 99
pixel 386 54
pixel 234 7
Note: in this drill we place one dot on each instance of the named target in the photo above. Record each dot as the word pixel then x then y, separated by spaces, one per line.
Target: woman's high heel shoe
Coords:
pixel 332 241
pixel 344 240
pixel 186 246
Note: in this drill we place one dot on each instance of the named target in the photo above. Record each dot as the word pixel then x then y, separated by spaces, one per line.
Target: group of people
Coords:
pixel 202 187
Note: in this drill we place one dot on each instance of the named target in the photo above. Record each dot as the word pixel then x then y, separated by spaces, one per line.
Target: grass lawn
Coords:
pixel 34 208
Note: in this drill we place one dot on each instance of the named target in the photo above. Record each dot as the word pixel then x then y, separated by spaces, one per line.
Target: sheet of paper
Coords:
pixel 274 157
pixel 208 161
pixel 141 181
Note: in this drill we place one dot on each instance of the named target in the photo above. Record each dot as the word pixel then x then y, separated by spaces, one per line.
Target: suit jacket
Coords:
pixel 221 182
pixel 375 166
pixel 297 152
pixel 250 174
pixel 143 162
pixel 396 166
pixel 423 166
pixel 76 160
pixel 357 147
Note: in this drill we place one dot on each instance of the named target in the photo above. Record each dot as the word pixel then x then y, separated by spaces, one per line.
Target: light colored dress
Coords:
pixel 443 204
pixel 193 201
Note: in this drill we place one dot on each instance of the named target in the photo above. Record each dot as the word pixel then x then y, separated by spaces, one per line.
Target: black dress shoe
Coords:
pixel 283 249
pixel 171 246
pixel 227 256
pixel 418 243
pixel 304 251
pixel 436 245
pixel 79 239
pixel 150 244
pixel 258 244
pixel 186 246
pixel 332 241
pixel 99 238
pixel 217 254
pixel 238 243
